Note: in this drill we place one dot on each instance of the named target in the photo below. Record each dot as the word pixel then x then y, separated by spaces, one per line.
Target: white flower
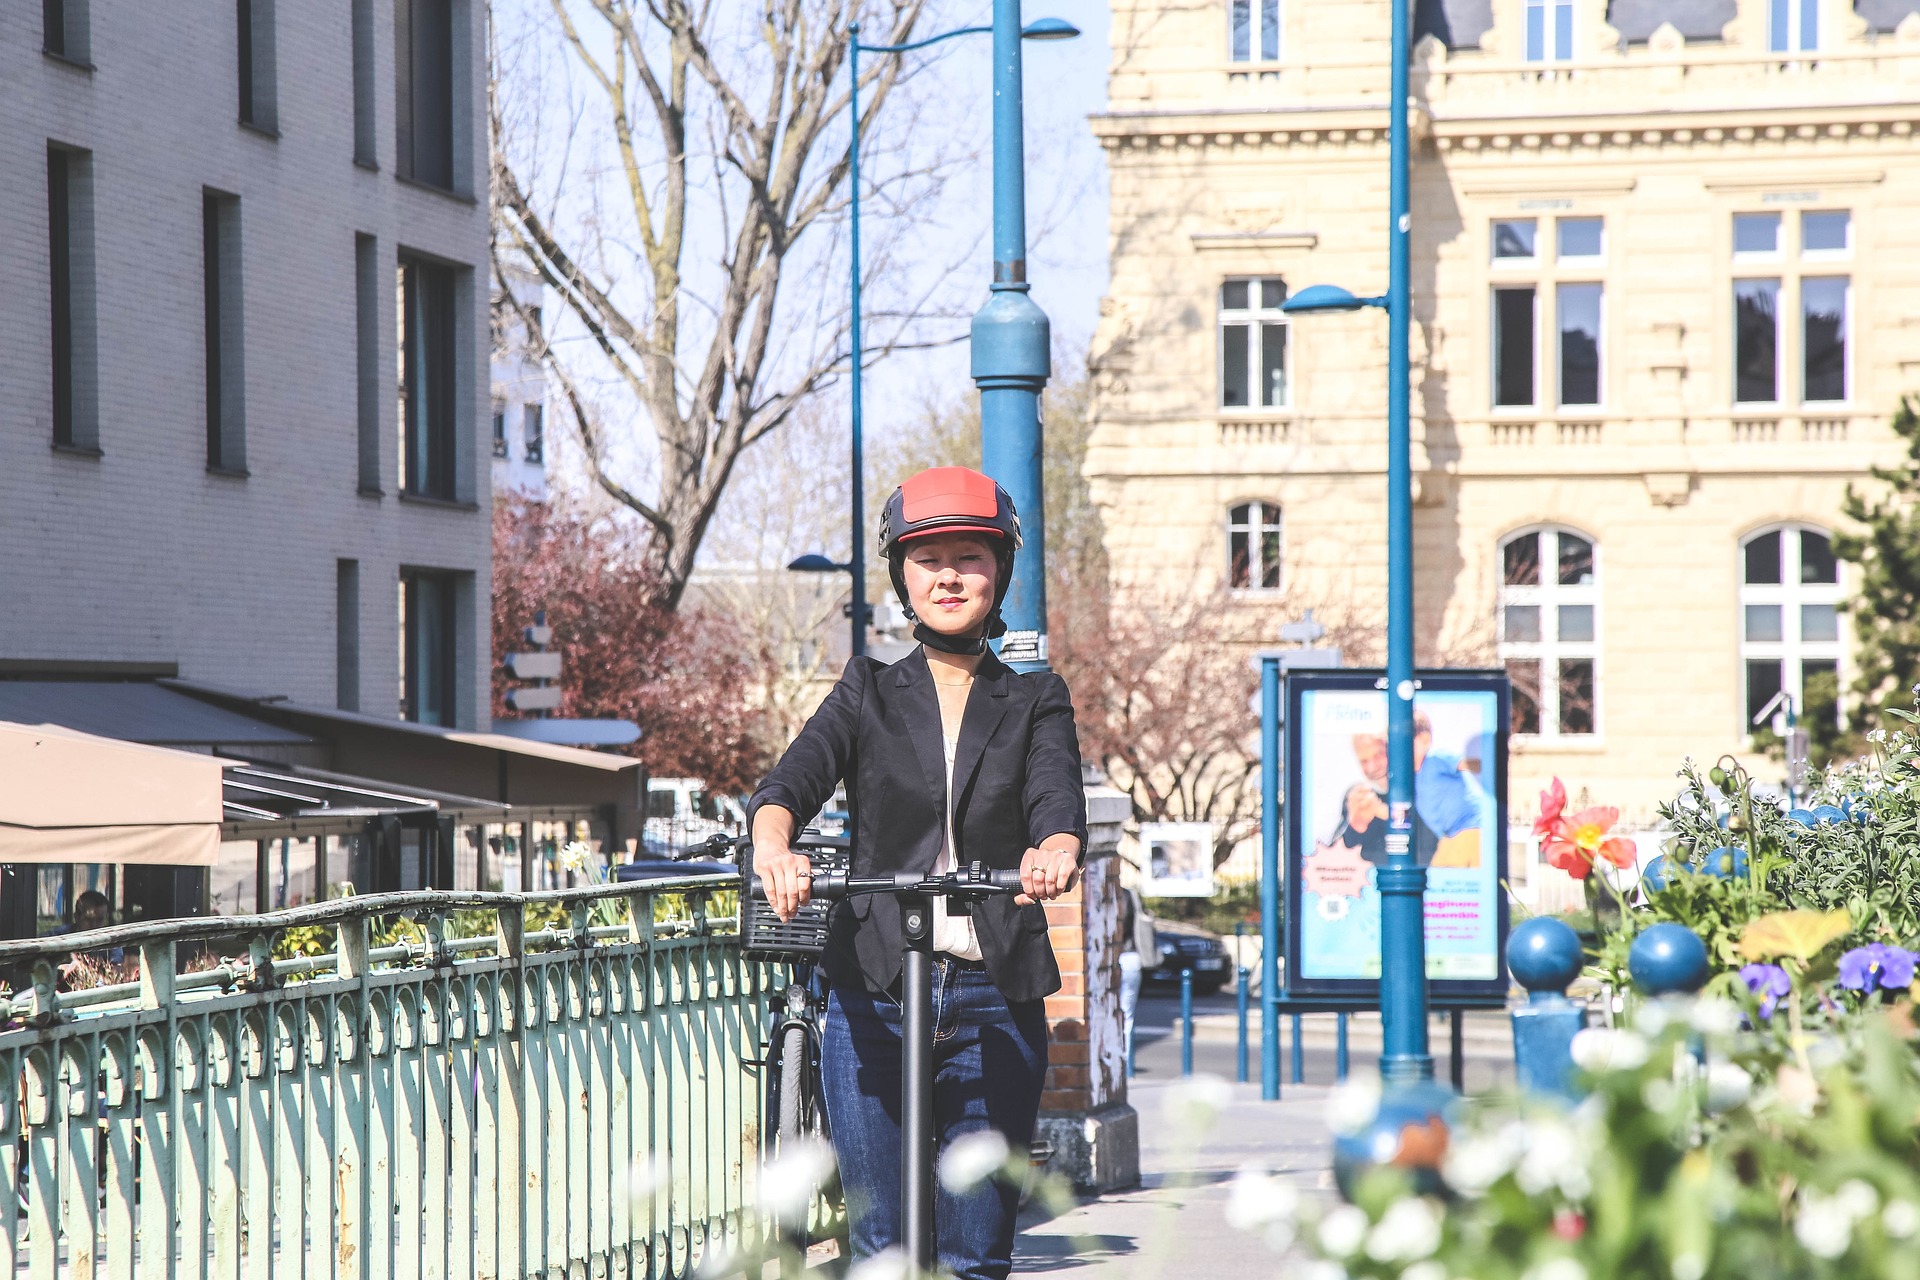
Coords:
pixel 972 1158
pixel 1408 1230
pixel 1320 1269
pixel 1342 1230
pixel 1428 1270
pixel 574 855
pixel 788 1181
pixel 1479 1160
pixel 1715 1017
pixel 1553 1157
pixel 888 1264
pixel 1901 1218
pixel 1858 1198
pixel 1257 1199
pixel 1609 1049
pixel 1824 1225
pixel 1196 1101
pixel 1658 1094
pixel 647 1176
pixel 1653 1016
pixel 1728 1085
pixel 1352 1106
pixel 1558 1269
pixel 1689 1266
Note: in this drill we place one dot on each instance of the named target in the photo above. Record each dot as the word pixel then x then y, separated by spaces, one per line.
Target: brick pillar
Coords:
pixel 1084 1115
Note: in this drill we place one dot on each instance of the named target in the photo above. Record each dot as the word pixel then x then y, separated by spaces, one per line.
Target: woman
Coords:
pixel 950 757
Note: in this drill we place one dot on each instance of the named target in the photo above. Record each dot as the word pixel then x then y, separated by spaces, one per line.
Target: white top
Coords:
pixel 953 934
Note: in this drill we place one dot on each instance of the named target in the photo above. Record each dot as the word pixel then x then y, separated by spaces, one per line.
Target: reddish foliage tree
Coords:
pixel 627 654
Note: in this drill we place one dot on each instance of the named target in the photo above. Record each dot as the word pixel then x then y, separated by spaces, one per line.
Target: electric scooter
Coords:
pixel 916 894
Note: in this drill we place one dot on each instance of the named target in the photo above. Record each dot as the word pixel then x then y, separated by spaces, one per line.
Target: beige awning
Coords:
pixel 67 796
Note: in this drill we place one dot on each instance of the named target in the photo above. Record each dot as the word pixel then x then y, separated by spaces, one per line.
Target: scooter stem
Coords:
pixel 916 1083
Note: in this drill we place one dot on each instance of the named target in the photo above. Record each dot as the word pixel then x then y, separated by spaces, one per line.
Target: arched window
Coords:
pixel 1790 621
pixel 1253 546
pixel 1550 631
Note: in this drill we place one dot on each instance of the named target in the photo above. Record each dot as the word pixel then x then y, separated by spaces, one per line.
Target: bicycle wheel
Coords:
pixel 793 1081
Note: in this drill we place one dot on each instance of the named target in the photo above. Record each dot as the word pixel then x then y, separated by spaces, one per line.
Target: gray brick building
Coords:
pixel 243 359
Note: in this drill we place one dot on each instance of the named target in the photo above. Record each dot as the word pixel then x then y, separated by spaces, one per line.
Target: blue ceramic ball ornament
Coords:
pixel 1667 958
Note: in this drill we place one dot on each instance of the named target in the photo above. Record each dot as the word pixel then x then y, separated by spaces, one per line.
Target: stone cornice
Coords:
pixel 1366 126
pixel 1205 241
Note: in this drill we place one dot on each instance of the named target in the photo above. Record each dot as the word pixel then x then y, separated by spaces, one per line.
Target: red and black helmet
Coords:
pixel 951 500
pixel 948 500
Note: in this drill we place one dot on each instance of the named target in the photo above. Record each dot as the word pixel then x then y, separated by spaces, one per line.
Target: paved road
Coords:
pixel 1173 1225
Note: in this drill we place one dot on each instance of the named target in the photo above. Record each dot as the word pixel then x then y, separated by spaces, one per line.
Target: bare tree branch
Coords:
pixel 764 89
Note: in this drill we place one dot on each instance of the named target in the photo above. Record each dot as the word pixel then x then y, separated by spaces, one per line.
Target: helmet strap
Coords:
pixel 960 646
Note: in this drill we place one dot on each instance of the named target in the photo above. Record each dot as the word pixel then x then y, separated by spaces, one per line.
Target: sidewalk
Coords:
pixel 1174 1223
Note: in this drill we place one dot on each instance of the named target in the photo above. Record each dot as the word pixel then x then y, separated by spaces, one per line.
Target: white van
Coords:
pixel 682 813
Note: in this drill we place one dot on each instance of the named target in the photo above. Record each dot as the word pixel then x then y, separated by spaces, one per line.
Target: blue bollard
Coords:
pixel 1186 1022
pixel 1340 1049
pixel 1241 980
pixel 1544 956
pixel 1299 1054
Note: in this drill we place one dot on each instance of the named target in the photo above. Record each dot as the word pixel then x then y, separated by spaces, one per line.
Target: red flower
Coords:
pixel 1569 1224
pixel 1553 802
pixel 1572 844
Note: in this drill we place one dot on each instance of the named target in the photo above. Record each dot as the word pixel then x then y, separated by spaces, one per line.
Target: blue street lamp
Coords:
pixel 1403 981
pixel 1039 29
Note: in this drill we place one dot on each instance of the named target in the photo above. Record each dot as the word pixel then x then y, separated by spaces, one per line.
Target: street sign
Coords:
pixel 1305 631
pixel 539 698
pixel 1298 659
pixel 539 636
pixel 534 666
pixel 571 733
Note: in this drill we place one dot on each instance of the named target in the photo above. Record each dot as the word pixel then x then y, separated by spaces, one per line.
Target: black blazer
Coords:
pixel 1016 773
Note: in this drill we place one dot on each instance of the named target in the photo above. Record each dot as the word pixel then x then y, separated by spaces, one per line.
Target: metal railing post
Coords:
pixel 1186 1021
pixel 1299 1054
pixel 1340 1049
pixel 1241 981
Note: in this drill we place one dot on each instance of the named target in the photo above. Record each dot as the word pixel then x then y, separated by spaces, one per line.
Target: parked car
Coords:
pixel 682 814
pixel 1183 946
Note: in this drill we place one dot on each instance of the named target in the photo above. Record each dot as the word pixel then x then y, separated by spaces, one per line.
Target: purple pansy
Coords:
pixel 1877 964
pixel 1768 981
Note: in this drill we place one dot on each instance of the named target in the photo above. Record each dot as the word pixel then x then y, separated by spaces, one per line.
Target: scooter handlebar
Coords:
pixel 975 879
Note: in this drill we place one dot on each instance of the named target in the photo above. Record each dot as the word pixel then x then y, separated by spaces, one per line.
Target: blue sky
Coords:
pixel 1066 194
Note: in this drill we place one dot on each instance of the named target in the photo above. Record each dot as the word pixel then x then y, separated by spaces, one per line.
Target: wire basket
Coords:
pixel 804 937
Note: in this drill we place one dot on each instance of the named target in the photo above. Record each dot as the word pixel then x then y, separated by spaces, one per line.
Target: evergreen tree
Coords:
pixel 1884 547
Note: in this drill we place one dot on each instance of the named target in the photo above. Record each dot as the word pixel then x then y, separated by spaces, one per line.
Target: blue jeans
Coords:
pixel 990 1061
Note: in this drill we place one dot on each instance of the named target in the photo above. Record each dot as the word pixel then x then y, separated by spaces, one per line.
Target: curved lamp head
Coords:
pixel 812 563
pixel 1049 29
pixel 1327 297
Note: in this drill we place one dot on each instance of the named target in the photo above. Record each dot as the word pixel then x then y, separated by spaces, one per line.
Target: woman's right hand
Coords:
pixel 786 877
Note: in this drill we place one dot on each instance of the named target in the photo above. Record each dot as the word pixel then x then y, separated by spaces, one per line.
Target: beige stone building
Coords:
pixel 1666 295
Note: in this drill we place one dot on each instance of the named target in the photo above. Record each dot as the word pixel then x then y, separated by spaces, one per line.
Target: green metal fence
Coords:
pixel 441 1107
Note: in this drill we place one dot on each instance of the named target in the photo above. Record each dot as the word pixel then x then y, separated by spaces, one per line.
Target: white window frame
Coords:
pixel 1254 525
pixel 1848 333
pixel 1554 14
pixel 1559 355
pixel 1796 14
pixel 1532 406
pixel 1843 254
pixel 1256 13
pixel 1256 318
pixel 1549 650
pixel 1780 304
pixel 1789 594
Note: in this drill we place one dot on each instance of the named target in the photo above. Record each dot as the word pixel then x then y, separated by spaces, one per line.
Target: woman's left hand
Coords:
pixel 1046 873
